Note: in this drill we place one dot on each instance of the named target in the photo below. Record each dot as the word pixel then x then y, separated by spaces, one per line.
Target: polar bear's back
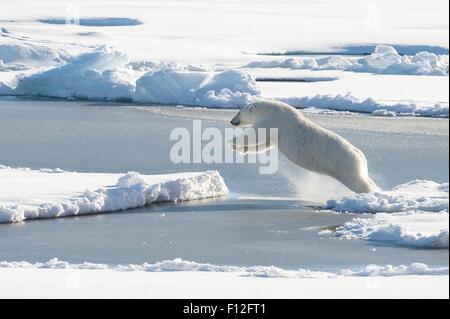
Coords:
pixel 308 144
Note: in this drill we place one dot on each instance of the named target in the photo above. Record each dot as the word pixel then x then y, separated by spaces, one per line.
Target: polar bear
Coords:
pixel 305 144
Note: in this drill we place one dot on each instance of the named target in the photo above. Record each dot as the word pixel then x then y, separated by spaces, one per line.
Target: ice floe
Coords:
pixel 353 104
pixel 414 214
pixel 229 88
pixel 96 75
pixel 18 55
pixel 31 194
pixel 418 195
pixel 385 60
pixel 413 229
pixel 179 264
pixel 106 74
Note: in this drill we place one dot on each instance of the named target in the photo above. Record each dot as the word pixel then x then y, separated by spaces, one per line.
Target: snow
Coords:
pixel 417 195
pixel 414 214
pixel 228 88
pixel 180 265
pixel 365 49
pixel 18 55
pixel 92 75
pixel 30 194
pixel 211 46
pixel 213 49
pixel 351 103
pixel 162 280
pixel 385 60
pixel 402 270
pixel 63 283
pixel 412 229
pixel 105 74
pixel 218 32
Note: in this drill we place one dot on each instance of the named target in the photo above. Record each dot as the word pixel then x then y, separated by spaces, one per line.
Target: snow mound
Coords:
pixel 179 264
pixel 402 270
pixel 414 214
pixel 418 195
pixel 95 22
pixel 19 55
pixel 385 60
pixel 229 88
pixel 11 67
pixel 353 104
pixel 105 74
pixel 97 75
pixel 413 229
pixel 31 194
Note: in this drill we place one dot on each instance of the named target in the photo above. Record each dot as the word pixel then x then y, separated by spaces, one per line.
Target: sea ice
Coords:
pixel 353 104
pixel 105 74
pixel 179 264
pixel 30 194
pixel 97 75
pixel 17 55
pixel 416 195
pixel 229 88
pixel 385 60
pixel 413 229
pixel 414 214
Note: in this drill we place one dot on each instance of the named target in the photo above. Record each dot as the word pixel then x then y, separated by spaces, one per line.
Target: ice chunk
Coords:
pixel 417 195
pixel 97 75
pixel 402 270
pixel 233 80
pixel 351 103
pixel 412 214
pixel 105 74
pixel 229 88
pixel 385 60
pixel 30 54
pixel 29 194
pixel 169 87
pixel 179 264
pixel 414 229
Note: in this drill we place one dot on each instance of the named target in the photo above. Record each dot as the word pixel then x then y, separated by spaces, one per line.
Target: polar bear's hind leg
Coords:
pixel 359 182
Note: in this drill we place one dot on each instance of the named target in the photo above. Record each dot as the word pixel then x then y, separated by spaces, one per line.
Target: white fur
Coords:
pixel 307 144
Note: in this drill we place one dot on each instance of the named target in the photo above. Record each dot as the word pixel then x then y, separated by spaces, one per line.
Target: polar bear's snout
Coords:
pixel 235 121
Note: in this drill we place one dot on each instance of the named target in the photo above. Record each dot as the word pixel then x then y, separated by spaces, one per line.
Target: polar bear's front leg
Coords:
pixel 259 148
pixel 249 142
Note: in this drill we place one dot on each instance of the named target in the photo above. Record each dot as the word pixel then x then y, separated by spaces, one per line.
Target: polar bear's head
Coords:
pixel 257 111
